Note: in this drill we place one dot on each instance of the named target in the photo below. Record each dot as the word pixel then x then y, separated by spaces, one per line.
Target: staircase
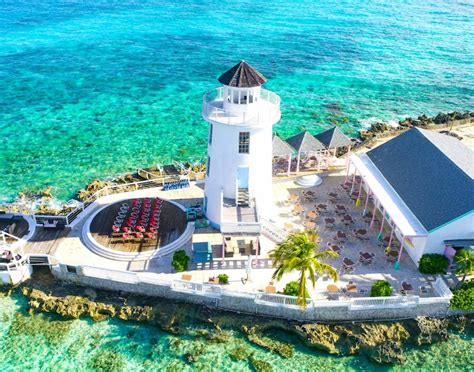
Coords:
pixel 40 260
pixel 273 232
pixel 243 197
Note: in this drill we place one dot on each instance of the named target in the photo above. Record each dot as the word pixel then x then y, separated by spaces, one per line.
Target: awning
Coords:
pixel 393 205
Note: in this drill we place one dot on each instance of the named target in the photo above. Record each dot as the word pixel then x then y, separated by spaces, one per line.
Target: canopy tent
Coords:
pixel 305 143
pixel 282 149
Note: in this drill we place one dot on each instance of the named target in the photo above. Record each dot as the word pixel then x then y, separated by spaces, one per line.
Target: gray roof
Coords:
pixel 281 148
pixel 242 75
pixel 304 142
pixel 333 138
pixel 430 172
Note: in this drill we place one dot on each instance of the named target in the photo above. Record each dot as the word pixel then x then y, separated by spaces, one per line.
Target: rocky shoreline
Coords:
pixel 383 343
pixel 43 198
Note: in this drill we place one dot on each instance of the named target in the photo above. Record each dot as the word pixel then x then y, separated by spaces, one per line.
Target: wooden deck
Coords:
pixel 172 225
pixel 45 241
pixel 15 226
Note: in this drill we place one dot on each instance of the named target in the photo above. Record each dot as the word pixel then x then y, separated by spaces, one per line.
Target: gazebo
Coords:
pixel 334 139
pixel 304 143
pixel 281 149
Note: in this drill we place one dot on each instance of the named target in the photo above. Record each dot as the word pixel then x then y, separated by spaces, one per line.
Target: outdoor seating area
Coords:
pixel 235 246
pixel 138 225
pixel 366 248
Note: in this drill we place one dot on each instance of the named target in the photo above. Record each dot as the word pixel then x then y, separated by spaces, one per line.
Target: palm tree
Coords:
pixel 465 263
pixel 301 251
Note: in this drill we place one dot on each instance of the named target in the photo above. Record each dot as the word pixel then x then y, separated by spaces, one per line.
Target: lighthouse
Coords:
pixel 238 186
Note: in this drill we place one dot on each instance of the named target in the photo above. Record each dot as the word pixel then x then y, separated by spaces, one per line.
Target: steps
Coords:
pixel 243 197
pixel 39 260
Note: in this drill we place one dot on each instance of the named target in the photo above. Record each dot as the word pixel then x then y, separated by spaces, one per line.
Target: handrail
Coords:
pixel 267 113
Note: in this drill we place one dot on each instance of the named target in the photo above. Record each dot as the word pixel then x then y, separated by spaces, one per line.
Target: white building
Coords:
pixel 238 188
pixel 422 186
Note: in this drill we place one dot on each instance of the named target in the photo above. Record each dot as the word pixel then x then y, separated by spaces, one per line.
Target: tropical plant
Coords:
pixel 180 261
pixel 223 278
pixel 465 263
pixel 433 263
pixel 463 297
pixel 292 289
pixel 381 288
pixel 301 252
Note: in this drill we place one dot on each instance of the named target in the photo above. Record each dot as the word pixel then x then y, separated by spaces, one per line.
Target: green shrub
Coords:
pixel 463 297
pixel 223 278
pixel 433 264
pixel 180 261
pixel 381 288
pixel 293 288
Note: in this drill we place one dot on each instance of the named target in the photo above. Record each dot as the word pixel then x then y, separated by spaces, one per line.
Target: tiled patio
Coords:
pixel 362 275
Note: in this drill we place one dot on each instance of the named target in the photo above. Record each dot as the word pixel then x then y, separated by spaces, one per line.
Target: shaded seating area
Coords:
pixel 309 152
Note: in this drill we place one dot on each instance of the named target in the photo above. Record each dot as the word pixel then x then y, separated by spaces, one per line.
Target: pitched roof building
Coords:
pixel 242 75
pixel 333 138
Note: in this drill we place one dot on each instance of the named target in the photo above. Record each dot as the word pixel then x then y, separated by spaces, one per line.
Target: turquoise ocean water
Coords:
pixel 42 342
pixel 92 89
pixel 96 88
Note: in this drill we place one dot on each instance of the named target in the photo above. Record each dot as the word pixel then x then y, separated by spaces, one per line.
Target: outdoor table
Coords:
pixel 298 208
pixel 347 218
pixel 340 207
pixel 312 214
pixel 351 288
pixel 341 234
pixel 348 262
pixel 310 225
pixel 366 256
pixel 392 253
pixel 322 206
pixel 329 220
pixel 332 288
pixel 288 226
pixel 335 248
pixel 361 231
pixel 293 197
pixel 332 195
pixel 407 286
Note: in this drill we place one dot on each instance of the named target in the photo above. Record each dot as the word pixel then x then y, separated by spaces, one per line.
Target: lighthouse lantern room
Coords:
pixel 238 188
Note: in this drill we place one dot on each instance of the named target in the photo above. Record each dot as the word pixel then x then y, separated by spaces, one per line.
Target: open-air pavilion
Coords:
pixel 282 150
pixel 305 144
pixel 419 186
pixel 334 140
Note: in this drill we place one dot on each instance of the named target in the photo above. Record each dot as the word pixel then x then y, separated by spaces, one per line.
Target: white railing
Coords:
pixel 196 288
pixel 272 231
pixel 279 300
pixel 241 227
pixel 268 109
pixel 442 289
pixel 383 302
pixel 116 275
pixel 5 237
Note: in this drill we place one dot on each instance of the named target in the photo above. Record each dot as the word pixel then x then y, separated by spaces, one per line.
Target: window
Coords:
pixel 244 142
pixel 208 167
pixel 71 269
pixel 210 134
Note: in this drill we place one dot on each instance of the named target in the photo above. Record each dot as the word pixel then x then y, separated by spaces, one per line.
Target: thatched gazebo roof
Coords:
pixel 304 143
pixel 280 148
pixel 333 138
pixel 242 75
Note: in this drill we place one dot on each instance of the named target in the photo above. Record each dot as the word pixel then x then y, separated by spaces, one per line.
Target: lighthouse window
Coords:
pixel 210 134
pixel 244 142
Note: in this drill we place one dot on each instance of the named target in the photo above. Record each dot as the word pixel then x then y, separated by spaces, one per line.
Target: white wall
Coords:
pixel 225 160
pixel 460 229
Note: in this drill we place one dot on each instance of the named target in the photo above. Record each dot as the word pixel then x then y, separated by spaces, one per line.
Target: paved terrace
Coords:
pixel 291 213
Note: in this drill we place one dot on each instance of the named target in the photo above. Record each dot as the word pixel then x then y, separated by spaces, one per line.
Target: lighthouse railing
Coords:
pixel 213 109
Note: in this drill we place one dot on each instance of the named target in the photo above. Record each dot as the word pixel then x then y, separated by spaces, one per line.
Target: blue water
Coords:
pixel 93 89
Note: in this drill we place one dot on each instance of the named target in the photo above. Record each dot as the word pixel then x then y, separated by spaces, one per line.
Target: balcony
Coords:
pixel 267 112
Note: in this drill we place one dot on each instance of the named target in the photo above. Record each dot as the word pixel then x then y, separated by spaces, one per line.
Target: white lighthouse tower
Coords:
pixel 238 189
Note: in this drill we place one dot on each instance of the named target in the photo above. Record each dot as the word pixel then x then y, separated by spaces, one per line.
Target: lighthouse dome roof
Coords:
pixel 242 75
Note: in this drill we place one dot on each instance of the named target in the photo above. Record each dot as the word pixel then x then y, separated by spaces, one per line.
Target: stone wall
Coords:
pixel 245 302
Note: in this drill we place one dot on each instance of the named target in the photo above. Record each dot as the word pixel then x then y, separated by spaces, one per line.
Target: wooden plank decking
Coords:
pixel 45 241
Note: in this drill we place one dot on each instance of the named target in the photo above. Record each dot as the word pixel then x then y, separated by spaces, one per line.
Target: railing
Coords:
pixel 268 109
pixel 107 190
pixel 5 237
pixel 367 303
pixel 443 290
pixel 117 275
pixel 279 300
pixel 272 231
pixel 241 227
pixel 196 288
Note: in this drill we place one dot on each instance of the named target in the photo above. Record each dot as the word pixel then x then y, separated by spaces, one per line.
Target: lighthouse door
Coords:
pixel 243 177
